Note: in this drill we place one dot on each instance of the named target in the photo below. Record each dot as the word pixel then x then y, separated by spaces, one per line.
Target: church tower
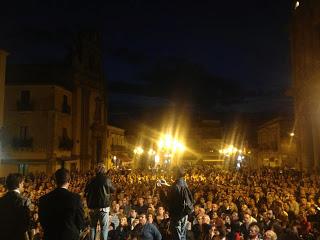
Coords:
pixel 89 100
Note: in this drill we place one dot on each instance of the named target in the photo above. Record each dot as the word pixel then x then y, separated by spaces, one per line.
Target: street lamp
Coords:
pixel 138 150
pixel 168 147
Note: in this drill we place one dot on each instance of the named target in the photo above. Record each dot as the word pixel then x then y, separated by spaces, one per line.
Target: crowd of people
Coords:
pixel 265 204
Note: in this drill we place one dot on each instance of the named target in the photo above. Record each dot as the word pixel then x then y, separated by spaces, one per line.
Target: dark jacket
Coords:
pixel 146 232
pixel 175 198
pixel 61 215
pixel 14 216
pixel 98 192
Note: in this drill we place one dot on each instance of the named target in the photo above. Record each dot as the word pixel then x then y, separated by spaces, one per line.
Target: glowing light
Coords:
pixel 151 152
pixel 168 143
pixel 291 134
pixel 157 158
pixel 138 150
pixel 297 5
pixel 161 143
pixel 231 150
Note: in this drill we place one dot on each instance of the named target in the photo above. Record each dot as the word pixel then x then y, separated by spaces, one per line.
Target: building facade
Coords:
pixel 276 144
pixel 118 153
pixel 38 129
pixel 305 46
pixel 205 140
pixel 56 114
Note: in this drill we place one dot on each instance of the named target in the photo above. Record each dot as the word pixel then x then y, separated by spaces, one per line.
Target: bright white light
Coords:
pixel 138 150
pixel 167 141
pixel 292 134
pixel 238 165
pixel 297 5
pixel 157 159
pixel 160 143
pixel 114 158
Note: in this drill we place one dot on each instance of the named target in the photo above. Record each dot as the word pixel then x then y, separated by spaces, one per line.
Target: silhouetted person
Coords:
pixel 98 193
pixel 60 211
pixel 180 203
pixel 14 210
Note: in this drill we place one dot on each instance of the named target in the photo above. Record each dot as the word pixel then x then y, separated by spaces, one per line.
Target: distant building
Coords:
pixel 276 144
pixel 38 129
pixel 56 114
pixel 305 46
pixel 205 140
pixel 117 147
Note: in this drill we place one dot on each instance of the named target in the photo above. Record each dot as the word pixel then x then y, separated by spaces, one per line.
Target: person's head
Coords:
pixel 235 216
pixel 270 235
pixel 141 201
pixel 123 221
pixel 150 218
pixel 149 199
pixel 196 209
pixel 246 218
pixel 62 177
pixel 101 169
pixel 270 214
pixel 215 207
pixel 133 213
pixel 227 219
pixel 14 181
pixel 254 230
pixel 201 211
pixel 178 172
pixel 206 219
pixel 199 219
pixel 244 207
pixel 143 219
pixel 116 208
pixel 161 210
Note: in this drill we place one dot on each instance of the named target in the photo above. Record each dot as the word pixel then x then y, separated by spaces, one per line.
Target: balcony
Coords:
pixel 118 148
pixel 24 106
pixel 65 144
pixel 19 143
pixel 66 108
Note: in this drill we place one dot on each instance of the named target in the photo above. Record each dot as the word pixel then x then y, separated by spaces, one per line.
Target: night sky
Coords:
pixel 201 53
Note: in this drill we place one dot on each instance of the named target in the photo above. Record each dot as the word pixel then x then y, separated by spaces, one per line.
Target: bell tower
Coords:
pixel 89 100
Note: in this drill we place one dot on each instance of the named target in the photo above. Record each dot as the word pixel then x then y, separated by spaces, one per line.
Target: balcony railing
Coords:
pixel 22 143
pixel 24 106
pixel 66 108
pixel 66 144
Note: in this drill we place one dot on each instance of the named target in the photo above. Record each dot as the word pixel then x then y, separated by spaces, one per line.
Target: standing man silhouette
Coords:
pixel 14 210
pixel 60 211
pixel 179 201
pixel 98 193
